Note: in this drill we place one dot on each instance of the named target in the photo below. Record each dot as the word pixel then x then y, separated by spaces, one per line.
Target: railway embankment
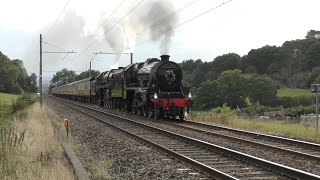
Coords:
pixel 29 148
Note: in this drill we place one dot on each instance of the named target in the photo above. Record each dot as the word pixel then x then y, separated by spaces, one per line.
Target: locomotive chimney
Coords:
pixel 164 58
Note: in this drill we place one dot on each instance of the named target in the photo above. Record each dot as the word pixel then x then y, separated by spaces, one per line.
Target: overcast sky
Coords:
pixel 238 26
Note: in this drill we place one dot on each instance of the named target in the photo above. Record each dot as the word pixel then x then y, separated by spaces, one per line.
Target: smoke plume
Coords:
pixel 154 18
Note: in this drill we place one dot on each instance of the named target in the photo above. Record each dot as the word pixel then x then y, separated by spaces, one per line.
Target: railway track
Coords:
pixel 216 161
pixel 290 146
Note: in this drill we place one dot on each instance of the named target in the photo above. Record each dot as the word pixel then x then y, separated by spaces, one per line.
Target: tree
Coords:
pixel 234 89
pixel 63 74
pixel 313 34
pixel 86 74
pixel 208 95
pixel 32 83
pixel 315 73
pixel 262 58
pixel 225 62
pixel 263 90
pixel 313 55
pixel 295 62
pixel 188 67
pixel 9 74
pixel 23 75
pixel 201 74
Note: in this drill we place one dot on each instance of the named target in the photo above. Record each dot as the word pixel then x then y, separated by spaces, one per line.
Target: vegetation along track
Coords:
pixel 216 161
pixel 290 146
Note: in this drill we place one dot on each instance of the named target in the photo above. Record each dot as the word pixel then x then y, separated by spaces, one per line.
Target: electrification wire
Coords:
pixel 57 19
pixel 197 16
pixel 108 30
pixel 54 46
pixel 109 17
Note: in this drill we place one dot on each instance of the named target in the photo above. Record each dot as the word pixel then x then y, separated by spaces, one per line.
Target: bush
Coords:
pixel 224 111
pixel 23 101
pixel 288 102
pixel 299 110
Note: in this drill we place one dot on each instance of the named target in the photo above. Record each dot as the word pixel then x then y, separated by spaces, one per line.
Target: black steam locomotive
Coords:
pixel 152 88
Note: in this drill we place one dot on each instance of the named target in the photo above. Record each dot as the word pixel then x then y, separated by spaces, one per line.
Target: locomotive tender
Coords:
pixel 152 88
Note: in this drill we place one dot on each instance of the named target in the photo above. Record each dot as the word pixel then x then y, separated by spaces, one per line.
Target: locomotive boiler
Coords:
pixel 152 88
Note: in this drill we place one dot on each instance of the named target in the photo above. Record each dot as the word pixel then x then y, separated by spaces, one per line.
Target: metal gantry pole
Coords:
pixel 317 106
pixel 90 69
pixel 40 73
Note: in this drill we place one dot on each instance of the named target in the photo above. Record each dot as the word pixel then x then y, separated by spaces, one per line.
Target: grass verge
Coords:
pixel 35 153
pixel 292 130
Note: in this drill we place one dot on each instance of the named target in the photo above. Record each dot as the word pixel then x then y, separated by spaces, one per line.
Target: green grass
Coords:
pixel 8 98
pixel 293 92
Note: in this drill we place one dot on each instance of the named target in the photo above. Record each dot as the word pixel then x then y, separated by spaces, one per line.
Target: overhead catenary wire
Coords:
pixel 109 16
pixel 107 31
pixel 54 46
pixel 64 8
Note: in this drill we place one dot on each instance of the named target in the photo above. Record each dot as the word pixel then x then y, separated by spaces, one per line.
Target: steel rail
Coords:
pixel 197 165
pixel 271 166
pixel 300 143
pixel 284 150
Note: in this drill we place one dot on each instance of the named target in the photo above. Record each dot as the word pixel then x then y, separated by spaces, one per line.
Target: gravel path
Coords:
pixel 112 155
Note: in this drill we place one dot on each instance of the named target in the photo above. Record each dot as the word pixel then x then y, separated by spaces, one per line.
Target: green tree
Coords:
pixel 313 55
pixel 9 74
pixel 315 73
pixel 32 83
pixel 225 62
pixel 262 59
pixel 63 74
pixel 208 95
pixel 263 90
pixel 86 74
pixel 201 74
pixel 234 87
pixel 313 34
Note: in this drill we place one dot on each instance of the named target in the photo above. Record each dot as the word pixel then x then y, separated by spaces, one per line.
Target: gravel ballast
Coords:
pixel 108 154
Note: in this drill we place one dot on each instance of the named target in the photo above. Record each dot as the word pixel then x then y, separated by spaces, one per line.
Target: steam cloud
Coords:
pixel 155 16
pixel 69 33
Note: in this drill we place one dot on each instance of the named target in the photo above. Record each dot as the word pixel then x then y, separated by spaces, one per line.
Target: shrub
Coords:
pixel 286 101
pixel 23 101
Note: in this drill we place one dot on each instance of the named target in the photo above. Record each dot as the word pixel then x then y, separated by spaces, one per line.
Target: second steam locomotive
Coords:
pixel 152 88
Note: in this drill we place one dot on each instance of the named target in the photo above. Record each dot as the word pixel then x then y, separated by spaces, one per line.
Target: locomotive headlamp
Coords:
pixel 155 96
pixel 189 95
